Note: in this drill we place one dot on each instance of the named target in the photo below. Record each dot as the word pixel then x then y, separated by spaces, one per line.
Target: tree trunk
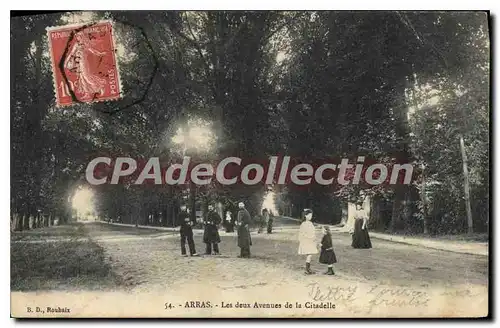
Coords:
pixel 345 212
pixel 192 201
pixel 175 212
pixel 22 225
pixel 466 187
pixel 424 205
pixel 397 222
pixel 376 220
pixel 163 215
pixel 26 221
pixel 13 221
pixel 168 214
pixel 204 208
pixel 141 219
pixel 157 218
pixel 167 210
pixel 19 222
pixel 134 216
pixel 220 210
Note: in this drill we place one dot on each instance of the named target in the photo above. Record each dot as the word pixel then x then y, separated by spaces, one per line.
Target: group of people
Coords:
pixel 309 247
pixel 211 236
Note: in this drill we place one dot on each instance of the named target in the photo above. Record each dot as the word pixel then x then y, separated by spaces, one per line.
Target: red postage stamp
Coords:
pixel 84 63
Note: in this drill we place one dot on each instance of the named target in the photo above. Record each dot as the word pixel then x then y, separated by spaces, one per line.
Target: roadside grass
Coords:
pixel 103 229
pixel 61 265
pixel 475 237
pixel 53 232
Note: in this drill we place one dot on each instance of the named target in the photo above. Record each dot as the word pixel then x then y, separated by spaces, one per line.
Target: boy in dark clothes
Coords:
pixel 186 233
pixel 327 255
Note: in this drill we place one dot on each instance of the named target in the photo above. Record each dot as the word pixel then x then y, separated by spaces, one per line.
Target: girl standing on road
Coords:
pixel 327 255
pixel 307 240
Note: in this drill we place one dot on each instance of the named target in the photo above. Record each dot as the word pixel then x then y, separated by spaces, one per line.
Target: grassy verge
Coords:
pixel 55 232
pixel 105 229
pixel 476 237
pixel 62 265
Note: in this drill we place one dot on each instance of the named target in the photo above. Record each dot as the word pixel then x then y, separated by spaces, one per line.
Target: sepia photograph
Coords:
pixel 250 164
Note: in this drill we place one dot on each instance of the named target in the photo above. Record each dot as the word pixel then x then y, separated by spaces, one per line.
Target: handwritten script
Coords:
pixel 332 293
pixel 460 293
pixel 367 300
pixel 396 297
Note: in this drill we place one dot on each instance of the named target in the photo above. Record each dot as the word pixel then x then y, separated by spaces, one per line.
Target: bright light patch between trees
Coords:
pixel 83 203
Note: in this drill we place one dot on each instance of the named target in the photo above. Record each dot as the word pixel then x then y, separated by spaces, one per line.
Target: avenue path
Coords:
pixel 152 258
pixel 391 279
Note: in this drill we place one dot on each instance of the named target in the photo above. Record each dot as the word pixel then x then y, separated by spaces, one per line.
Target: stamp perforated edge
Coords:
pixel 52 62
pixel 115 58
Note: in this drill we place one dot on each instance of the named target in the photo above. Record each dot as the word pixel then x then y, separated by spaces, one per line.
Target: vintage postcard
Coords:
pixel 250 164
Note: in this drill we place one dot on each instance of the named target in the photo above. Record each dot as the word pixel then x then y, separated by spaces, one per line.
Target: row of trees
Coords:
pixel 387 85
pixel 398 85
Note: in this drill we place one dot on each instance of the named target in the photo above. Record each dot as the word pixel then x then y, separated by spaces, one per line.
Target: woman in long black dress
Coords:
pixel 360 236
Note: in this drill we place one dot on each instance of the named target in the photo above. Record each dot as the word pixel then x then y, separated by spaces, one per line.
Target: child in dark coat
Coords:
pixel 327 255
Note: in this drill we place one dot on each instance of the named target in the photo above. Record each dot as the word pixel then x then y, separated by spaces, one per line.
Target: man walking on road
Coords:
pixel 270 222
pixel 263 220
pixel 244 239
pixel 211 233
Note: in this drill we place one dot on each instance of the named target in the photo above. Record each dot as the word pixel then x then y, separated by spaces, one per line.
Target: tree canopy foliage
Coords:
pixel 392 86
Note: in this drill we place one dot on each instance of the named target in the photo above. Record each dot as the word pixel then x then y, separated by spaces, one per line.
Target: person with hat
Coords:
pixel 186 232
pixel 270 222
pixel 228 222
pixel 211 233
pixel 244 239
pixel 307 239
